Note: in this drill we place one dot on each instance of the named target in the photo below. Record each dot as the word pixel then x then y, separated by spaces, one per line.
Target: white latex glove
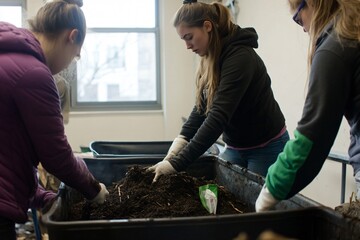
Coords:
pixel 265 200
pixel 101 196
pixel 84 155
pixel 177 145
pixel 357 181
pixel 161 168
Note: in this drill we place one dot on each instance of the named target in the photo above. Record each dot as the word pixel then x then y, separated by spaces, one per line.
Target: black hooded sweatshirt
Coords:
pixel 244 109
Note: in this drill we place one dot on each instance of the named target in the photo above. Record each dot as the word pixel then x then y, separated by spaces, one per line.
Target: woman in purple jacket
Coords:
pixel 31 126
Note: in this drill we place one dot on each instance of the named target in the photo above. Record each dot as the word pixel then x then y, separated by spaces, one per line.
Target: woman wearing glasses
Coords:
pixel 333 92
pixel 233 95
pixel 31 126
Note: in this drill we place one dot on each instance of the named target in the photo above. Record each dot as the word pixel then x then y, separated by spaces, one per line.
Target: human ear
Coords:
pixel 73 35
pixel 207 26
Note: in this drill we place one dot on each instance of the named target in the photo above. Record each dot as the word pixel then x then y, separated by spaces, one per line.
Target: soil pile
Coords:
pixel 135 196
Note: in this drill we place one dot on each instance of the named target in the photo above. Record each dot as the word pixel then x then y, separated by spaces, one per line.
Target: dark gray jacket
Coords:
pixel 334 92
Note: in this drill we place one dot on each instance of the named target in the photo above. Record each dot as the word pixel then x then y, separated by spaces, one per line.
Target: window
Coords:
pixel 11 12
pixel 119 65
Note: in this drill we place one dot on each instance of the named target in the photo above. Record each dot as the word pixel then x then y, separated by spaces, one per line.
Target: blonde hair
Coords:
pixel 344 13
pixel 348 22
pixel 59 15
pixel 208 72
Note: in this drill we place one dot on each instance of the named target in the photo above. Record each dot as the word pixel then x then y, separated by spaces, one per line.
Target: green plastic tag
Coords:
pixel 208 196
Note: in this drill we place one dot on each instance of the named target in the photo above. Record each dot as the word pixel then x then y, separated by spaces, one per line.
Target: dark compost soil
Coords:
pixel 135 196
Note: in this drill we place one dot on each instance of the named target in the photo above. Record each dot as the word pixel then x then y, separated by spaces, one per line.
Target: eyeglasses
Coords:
pixel 296 16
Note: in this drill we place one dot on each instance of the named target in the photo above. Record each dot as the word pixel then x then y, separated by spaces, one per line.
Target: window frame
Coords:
pixel 21 3
pixel 123 105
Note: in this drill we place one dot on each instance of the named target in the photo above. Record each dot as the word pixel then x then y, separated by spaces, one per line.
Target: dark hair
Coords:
pixel 59 15
pixel 189 1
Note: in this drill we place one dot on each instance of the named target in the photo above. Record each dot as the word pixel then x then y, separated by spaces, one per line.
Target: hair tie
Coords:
pixel 189 1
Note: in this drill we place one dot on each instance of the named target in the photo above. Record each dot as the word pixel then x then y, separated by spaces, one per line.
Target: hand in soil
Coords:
pixel 173 195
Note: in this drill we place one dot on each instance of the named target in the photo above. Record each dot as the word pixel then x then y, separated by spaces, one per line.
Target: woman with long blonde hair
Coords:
pixel 333 92
pixel 233 95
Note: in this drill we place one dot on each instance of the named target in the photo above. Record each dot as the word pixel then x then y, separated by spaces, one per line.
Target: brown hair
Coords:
pixel 208 73
pixel 59 15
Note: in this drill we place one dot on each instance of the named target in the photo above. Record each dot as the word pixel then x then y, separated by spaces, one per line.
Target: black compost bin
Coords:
pixel 129 149
pixel 298 217
pixel 104 149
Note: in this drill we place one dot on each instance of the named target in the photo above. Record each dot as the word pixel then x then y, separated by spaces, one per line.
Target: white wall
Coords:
pixel 283 47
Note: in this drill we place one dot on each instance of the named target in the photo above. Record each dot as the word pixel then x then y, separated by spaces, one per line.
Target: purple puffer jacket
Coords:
pixel 31 128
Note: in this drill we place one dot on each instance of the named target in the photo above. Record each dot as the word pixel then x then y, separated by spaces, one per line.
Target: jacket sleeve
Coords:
pixel 237 71
pixel 192 124
pixel 41 197
pixel 303 157
pixel 38 103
